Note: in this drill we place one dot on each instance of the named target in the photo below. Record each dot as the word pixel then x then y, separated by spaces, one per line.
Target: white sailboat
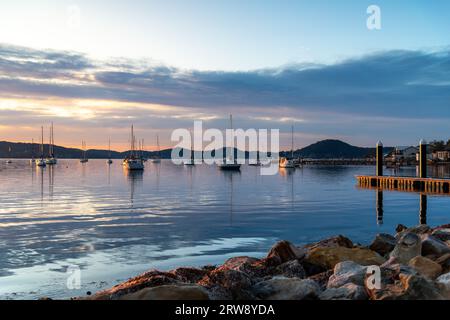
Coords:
pixel 9 160
pixel 84 157
pixel 109 161
pixel 229 163
pixel 51 159
pixel 288 163
pixel 158 159
pixel 133 162
pixel 41 162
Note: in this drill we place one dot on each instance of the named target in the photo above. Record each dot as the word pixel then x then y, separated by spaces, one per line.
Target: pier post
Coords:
pixel 380 159
pixel 379 205
pixel 423 159
pixel 423 209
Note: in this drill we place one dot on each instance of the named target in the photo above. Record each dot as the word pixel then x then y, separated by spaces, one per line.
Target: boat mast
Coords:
pixel 42 142
pixel 109 148
pixel 292 143
pixel 157 144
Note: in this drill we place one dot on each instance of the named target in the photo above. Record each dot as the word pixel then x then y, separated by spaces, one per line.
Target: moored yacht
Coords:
pixel 229 163
pixel 84 157
pixel 109 161
pixel 41 161
pixel 133 161
pixel 51 159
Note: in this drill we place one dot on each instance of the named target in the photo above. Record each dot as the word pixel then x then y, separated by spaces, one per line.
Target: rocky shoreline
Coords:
pixel 412 265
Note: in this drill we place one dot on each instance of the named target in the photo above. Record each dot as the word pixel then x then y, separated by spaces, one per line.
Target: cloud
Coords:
pixel 385 83
pixel 387 87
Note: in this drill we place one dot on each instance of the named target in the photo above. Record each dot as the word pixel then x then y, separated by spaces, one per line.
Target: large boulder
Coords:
pixel 383 244
pixel 408 247
pixel 149 279
pixel 227 278
pixel 291 269
pixel 444 262
pixel 282 288
pixel 426 267
pixel 349 291
pixel 407 287
pixel 338 241
pixel 169 292
pixel 419 230
pixel 252 267
pixel 347 272
pixel 282 252
pixel 444 283
pixel 328 257
pixel 431 246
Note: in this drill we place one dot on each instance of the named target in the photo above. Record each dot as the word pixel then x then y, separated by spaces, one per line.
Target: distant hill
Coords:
pixel 27 150
pixel 325 149
pixel 335 149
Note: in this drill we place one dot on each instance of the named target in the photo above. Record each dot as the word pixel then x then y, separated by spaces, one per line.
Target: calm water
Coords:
pixel 115 225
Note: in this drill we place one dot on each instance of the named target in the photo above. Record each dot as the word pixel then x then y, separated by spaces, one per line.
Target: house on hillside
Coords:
pixel 403 154
pixel 441 155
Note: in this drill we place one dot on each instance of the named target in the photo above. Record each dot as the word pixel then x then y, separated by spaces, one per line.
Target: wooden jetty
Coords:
pixel 407 184
pixel 421 184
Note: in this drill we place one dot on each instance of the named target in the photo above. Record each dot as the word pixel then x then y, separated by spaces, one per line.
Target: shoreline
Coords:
pixel 412 264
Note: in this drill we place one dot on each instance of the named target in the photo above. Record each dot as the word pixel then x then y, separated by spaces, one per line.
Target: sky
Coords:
pixel 96 67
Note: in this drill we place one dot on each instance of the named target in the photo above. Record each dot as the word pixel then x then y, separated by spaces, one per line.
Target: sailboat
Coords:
pixel 51 160
pixel 191 161
pixel 288 163
pixel 158 159
pixel 133 162
pixel 41 162
pixel 9 160
pixel 84 158
pixel 32 160
pixel 109 161
pixel 229 163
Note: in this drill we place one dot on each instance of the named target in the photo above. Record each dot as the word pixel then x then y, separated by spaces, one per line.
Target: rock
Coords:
pixel 419 230
pixel 349 291
pixel 408 247
pixel 383 244
pixel 227 278
pixel 252 267
pixel 169 292
pixel 216 292
pixel 444 282
pixel 338 241
pixel 189 275
pixel 329 257
pixel 347 272
pixel 282 252
pixel 426 267
pixel 152 278
pixel 442 234
pixel 434 246
pixel 282 288
pixel 444 262
pixel 400 228
pixel 408 287
pixel 291 269
pixel 322 278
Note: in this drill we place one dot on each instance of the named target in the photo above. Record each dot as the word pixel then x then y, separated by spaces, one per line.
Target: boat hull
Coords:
pixel 230 167
pixel 134 165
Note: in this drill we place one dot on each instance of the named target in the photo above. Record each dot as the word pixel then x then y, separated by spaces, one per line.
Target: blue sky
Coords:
pixel 163 64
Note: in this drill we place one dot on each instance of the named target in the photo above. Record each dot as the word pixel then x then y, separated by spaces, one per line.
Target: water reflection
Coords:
pixel 229 178
pixel 379 206
pixel 423 207
pixel 134 178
